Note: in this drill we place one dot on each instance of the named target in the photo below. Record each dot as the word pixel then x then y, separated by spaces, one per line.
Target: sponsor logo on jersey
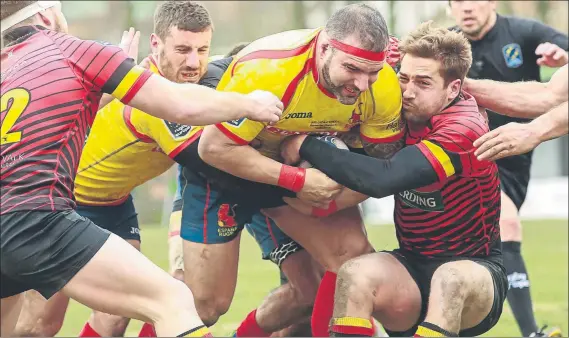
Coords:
pixel 236 123
pixel 426 201
pixel 513 55
pixel 301 115
pixel 178 131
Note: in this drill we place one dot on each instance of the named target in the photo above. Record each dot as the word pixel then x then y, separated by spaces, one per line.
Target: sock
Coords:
pixel 88 331
pixel 323 305
pixel 147 330
pixel 250 328
pixel 352 327
pixel 519 295
pixel 427 329
pixel 200 331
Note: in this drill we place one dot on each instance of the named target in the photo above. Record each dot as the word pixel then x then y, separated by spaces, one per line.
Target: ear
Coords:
pixel 45 20
pixel 453 89
pixel 154 43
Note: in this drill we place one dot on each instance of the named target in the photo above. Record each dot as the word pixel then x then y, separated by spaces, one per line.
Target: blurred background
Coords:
pixel 238 21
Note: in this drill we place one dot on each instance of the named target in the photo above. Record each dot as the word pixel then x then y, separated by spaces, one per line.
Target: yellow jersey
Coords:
pixel 125 148
pixel 284 64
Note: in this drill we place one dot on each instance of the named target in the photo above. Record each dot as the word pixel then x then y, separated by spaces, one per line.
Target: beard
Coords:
pixel 336 90
pixel 172 73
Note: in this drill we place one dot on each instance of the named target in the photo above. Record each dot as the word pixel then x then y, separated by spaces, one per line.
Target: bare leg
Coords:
pixel 292 301
pixel 10 308
pixel 211 274
pixel 462 295
pixel 41 317
pixel 122 281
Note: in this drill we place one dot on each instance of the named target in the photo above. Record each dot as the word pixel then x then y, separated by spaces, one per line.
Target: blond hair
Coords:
pixel 451 49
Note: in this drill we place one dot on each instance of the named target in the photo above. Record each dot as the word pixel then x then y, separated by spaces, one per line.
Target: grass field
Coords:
pixel 545 248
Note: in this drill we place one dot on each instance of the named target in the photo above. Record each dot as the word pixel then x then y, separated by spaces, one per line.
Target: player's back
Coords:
pixel 46 110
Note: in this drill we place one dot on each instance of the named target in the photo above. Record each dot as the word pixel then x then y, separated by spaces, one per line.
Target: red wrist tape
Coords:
pixel 319 212
pixel 292 178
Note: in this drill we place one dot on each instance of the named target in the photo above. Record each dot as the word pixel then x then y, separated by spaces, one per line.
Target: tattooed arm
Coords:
pixel 383 150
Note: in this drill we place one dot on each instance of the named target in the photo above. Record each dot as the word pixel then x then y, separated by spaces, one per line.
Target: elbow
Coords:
pixel 210 151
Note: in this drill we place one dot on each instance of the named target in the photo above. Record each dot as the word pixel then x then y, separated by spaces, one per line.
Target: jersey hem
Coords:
pixel 232 136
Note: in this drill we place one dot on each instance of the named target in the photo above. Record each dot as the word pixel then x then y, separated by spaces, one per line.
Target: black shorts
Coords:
pixel 43 250
pixel 514 181
pixel 422 270
pixel 121 219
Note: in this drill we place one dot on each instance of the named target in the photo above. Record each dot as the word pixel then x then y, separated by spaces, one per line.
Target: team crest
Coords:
pixel 237 123
pixel 178 131
pixel 226 220
pixel 513 55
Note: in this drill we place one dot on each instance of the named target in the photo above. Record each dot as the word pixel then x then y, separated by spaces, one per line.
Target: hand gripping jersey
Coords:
pixel 284 64
pixel 51 87
pixel 458 215
pixel 125 148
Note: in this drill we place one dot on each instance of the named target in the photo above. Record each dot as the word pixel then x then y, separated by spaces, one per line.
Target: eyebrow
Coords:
pixel 424 77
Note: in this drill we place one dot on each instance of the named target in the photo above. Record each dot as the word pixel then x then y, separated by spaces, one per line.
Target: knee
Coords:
pixel 211 307
pixel 510 229
pixel 449 282
pixel 354 281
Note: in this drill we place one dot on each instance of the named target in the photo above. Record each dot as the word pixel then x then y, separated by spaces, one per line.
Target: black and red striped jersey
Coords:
pixel 458 215
pixel 51 87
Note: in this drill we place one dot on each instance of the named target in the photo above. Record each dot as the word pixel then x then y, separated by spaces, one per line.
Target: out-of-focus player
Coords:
pixel 51 86
pixel 511 49
pixel 546 102
pixel 447 277
pixel 127 147
pixel 331 80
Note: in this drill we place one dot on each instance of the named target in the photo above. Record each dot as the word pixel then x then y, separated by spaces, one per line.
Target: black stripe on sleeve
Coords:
pixel 118 76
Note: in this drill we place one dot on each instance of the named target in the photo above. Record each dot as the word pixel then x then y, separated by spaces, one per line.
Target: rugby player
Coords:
pixel 547 102
pixel 124 141
pixel 331 80
pixel 510 49
pixel 46 245
pixel 446 278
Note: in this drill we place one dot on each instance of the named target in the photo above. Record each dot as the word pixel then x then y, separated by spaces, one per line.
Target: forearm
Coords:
pixel 378 178
pixel 553 124
pixel 518 99
pixel 188 103
pixel 105 100
pixel 349 198
pixel 239 160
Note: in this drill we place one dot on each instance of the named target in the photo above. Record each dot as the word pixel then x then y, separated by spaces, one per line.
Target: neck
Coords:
pixel 491 23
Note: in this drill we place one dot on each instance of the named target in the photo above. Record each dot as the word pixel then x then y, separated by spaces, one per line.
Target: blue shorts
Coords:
pixel 122 219
pixel 211 217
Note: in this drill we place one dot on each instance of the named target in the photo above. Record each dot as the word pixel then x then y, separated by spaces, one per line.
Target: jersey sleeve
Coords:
pixel 383 105
pixel 171 137
pixel 450 150
pixel 245 78
pixel 103 67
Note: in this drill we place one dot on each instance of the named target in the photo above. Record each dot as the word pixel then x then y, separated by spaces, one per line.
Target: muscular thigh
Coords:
pixel 331 241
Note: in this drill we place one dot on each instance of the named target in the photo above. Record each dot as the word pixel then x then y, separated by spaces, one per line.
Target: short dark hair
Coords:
pixel 451 49
pixel 184 15
pixel 9 7
pixel 363 21
pixel 237 48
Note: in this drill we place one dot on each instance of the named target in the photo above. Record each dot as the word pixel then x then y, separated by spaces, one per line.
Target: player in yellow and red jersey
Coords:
pixel 331 81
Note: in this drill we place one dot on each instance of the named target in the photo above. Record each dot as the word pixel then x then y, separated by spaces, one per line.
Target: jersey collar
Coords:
pixel 154 66
pixel 21 34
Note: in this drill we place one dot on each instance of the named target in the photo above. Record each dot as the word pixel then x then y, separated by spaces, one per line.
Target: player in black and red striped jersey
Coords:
pixel 447 277
pixel 52 84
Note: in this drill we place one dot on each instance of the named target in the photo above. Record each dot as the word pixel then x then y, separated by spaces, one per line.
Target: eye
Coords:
pixel 351 68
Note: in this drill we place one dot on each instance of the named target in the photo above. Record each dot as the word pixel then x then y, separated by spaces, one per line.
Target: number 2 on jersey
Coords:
pixel 15 101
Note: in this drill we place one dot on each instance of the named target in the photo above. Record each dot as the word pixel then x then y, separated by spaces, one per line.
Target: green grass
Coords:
pixel 545 250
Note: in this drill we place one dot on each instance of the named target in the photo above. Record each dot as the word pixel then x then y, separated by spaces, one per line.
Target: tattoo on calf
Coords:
pixel 383 150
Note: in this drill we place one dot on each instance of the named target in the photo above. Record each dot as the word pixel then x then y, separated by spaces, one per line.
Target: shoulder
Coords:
pixel 386 90
pixel 215 71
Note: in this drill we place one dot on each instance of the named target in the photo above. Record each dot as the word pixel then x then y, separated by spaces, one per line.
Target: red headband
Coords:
pixel 358 52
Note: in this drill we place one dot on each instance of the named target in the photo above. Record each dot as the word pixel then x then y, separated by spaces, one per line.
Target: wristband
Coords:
pixel 292 178
pixel 319 212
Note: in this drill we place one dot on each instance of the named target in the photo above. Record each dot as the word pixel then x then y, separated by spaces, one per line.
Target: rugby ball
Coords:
pixel 333 140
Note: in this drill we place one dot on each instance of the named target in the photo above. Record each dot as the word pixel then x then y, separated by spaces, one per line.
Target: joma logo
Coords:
pixel 299 116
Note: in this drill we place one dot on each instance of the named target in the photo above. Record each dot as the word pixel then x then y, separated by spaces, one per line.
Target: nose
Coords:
pixel 362 82
pixel 192 60
pixel 408 91
pixel 467 6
